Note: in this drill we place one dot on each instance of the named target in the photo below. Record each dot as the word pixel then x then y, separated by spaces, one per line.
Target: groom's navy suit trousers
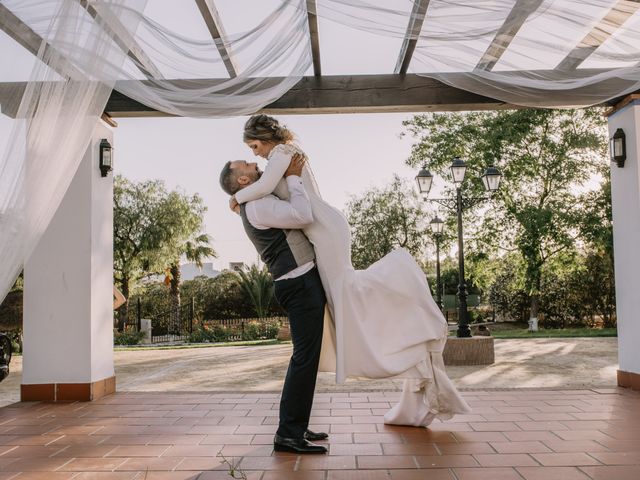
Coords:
pixel 303 299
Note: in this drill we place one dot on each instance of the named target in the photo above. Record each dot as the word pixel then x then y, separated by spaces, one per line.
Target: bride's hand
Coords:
pixel 234 205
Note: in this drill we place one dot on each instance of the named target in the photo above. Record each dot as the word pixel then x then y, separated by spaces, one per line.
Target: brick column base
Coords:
pixel 629 380
pixel 67 392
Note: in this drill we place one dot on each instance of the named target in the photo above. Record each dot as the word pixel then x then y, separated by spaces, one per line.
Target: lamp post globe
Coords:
pixel 458 170
pixel 436 225
pixel 491 179
pixel 424 180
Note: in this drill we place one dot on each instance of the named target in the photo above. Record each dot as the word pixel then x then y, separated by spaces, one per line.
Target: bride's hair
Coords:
pixel 267 129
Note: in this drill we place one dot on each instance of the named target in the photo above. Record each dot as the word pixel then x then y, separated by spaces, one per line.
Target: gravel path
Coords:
pixel 520 363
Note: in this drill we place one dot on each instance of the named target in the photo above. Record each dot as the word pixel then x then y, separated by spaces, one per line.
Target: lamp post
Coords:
pixel 491 181
pixel 436 227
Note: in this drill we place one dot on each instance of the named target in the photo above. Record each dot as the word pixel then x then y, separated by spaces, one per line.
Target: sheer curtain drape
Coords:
pixel 573 52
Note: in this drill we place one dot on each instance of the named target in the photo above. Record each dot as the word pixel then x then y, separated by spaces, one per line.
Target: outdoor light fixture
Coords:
pixel 491 179
pixel 458 169
pixel 436 225
pixel 424 179
pixel 618 148
pixel 106 157
pixel 458 203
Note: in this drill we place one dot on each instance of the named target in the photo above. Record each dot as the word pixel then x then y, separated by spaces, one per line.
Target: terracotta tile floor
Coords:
pixel 511 434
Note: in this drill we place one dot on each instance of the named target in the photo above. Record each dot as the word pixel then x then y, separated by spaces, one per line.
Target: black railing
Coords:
pixel 173 325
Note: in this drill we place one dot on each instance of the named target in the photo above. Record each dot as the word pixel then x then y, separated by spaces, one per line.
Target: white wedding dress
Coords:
pixel 383 321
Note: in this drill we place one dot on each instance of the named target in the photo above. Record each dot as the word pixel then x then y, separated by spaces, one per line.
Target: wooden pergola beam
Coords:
pixel 507 32
pixel 410 41
pixel 612 21
pixel 336 94
pixel 325 94
pixel 32 42
pixel 123 38
pixel 312 18
pixel 211 18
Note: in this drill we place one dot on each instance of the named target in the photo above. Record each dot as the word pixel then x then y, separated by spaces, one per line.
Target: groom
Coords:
pixel 273 226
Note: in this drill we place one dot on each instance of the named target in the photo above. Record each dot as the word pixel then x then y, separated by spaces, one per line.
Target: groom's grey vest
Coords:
pixel 281 250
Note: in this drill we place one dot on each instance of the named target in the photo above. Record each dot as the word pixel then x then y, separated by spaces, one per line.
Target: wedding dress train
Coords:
pixel 383 321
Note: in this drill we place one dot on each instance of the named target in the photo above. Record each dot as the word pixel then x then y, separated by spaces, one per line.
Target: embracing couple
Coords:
pixel 379 323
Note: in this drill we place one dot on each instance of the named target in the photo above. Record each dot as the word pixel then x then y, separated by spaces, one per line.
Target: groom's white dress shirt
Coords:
pixel 271 212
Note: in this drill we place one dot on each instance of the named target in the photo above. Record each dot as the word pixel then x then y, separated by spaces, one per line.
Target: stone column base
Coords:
pixel 629 380
pixel 67 392
pixel 469 351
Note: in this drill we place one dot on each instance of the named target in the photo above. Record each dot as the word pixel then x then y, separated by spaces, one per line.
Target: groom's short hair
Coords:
pixel 228 179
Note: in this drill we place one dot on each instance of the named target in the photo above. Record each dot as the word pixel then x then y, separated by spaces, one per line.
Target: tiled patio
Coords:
pixel 514 434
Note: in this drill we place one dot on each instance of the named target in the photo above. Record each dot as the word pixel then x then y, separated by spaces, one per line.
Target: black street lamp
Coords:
pixel 437 226
pixel 491 181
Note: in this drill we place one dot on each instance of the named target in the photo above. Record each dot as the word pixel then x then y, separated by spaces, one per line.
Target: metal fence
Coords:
pixel 237 329
pixel 173 325
pixel 177 325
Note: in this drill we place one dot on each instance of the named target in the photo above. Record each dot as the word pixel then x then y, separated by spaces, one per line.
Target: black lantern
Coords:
pixel 106 157
pixel 436 225
pixel 458 169
pixel 491 179
pixel 618 148
pixel 424 179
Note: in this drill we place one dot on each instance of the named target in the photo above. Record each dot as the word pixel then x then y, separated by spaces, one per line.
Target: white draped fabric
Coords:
pixel 569 52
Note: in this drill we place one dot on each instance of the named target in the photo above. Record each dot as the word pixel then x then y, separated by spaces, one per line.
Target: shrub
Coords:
pixel 127 337
pixel 252 331
pixel 272 329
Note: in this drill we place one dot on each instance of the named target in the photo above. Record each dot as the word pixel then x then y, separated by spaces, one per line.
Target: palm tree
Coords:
pixel 258 286
pixel 195 250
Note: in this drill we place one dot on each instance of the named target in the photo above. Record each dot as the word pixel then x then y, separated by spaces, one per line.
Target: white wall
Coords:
pixel 68 320
pixel 625 193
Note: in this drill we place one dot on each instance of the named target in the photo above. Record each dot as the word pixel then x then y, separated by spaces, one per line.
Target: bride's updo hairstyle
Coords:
pixel 267 129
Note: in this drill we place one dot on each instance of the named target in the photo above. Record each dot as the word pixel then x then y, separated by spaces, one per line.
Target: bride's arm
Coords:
pixel 273 172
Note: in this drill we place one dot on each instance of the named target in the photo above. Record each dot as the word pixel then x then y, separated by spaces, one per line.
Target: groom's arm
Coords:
pixel 271 212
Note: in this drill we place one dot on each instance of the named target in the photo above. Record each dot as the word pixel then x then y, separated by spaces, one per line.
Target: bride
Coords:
pixel 382 321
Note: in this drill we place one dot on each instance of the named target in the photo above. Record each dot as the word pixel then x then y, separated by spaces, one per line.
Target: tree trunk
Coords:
pixel 535 306
pixel 123 311
pixel 174 292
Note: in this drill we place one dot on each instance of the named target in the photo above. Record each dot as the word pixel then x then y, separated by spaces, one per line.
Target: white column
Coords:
pixel 625 197
pixel 68 299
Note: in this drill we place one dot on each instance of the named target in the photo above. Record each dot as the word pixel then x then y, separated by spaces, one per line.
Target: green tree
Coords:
pixel 383 219
pixel 543 156
pixel 151 225
pixel 218 298
pixel 257 285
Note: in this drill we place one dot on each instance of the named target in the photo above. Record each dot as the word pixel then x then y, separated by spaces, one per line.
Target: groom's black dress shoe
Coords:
pixel 315 436
pixel 296 445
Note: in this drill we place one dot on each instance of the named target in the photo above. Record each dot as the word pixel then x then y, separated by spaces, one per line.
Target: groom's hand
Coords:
pixel 295 167
pixel 234 205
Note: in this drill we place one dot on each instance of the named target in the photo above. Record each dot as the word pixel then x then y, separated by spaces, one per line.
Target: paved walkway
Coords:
pixel 527 363
pixel 561 417
pixel 523 435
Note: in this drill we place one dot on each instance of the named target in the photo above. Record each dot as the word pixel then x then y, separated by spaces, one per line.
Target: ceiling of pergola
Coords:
pixel 368 84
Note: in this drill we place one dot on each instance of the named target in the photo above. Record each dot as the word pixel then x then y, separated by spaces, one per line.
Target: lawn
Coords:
pixel 520 330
